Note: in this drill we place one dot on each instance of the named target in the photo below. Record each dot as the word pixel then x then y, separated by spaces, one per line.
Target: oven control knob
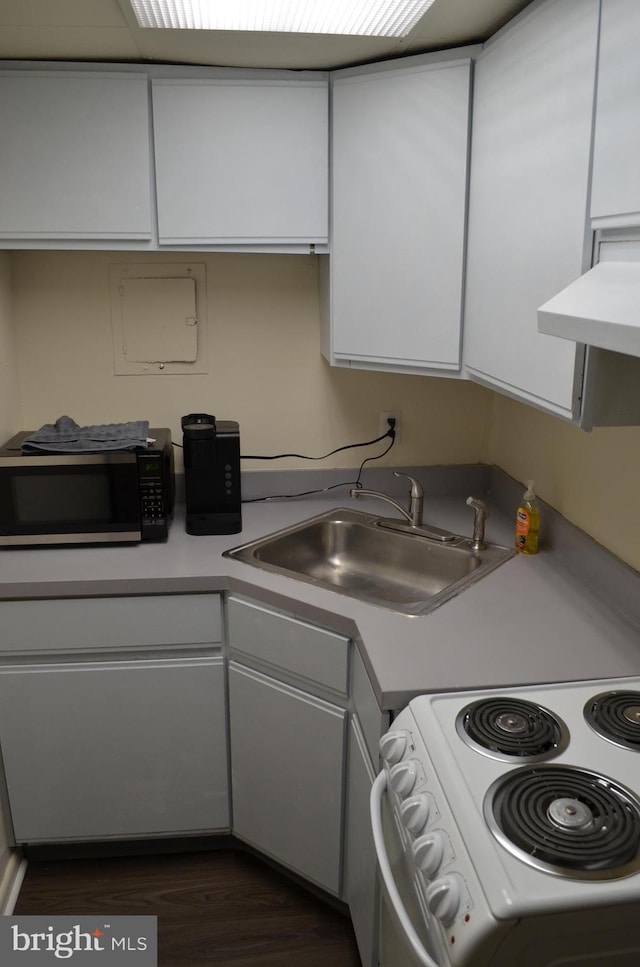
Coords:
pixel 415 813
pixel 403 777
pixel 444 896
pixel 428 852
pixel 393 746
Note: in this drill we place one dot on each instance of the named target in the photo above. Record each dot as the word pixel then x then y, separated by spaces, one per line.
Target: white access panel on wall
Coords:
pixel 159 320
pixel 158 314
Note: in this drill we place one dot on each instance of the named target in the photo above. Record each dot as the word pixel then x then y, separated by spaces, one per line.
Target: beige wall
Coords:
pixel 9 391
pixel 593 479
pixel 265 367
pixel 266 371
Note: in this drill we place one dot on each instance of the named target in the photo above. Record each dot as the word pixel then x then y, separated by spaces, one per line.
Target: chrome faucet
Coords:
pixel 413 516
pixel 481 514
pixel 416 499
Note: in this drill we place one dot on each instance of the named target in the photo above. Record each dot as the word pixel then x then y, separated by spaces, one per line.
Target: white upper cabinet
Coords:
pixel 241 161
pixel 74 156
pixel 527 235
pixel 399 180
pixel 615 196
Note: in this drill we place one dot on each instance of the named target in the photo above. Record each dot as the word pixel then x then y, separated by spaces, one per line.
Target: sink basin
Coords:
pixel 355 554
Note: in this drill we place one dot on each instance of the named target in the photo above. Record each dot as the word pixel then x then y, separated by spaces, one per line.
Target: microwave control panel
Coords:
pixel 153 509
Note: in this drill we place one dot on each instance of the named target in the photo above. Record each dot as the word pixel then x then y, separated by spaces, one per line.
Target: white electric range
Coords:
pixel 507 826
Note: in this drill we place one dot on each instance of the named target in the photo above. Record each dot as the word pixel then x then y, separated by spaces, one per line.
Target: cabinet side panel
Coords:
pixel 373 721
pixel 361 880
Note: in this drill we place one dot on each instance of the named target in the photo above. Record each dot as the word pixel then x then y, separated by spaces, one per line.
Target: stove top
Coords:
pixel 566 820
pixel 538 787
pixel 615 715
pixel 512 729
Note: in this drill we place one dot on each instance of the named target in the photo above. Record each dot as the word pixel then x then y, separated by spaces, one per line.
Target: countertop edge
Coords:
pixel 530 621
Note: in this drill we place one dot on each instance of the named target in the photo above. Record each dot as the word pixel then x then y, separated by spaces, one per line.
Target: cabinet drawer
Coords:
pixel 104 624
pixel 305 650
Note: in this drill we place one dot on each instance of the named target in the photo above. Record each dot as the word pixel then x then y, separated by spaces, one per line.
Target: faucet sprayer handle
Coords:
pixel 416 486
pixel 481 513
pixel 478 505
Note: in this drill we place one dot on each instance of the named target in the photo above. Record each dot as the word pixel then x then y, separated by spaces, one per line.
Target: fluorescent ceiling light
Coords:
pixel 369 18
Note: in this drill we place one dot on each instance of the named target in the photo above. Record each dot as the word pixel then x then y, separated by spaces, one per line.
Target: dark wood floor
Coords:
pixel 222 907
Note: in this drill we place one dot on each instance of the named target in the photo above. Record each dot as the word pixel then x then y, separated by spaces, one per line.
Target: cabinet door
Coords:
pixel 399 178
pixel 241 161
pixel 361 879
pixel 74 156
pixel 527 239
pixel 287 751
pixel 615 193
pixel 117 749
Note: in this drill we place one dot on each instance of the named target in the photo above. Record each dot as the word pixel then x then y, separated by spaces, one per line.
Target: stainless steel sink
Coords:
pixel 353 553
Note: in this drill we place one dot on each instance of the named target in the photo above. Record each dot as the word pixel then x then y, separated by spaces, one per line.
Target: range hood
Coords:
pixel 601 308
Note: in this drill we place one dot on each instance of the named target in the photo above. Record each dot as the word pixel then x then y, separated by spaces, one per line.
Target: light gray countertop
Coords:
pixel 529 621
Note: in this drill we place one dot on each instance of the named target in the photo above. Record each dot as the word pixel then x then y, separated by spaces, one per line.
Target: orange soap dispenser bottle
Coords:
pixel 528 521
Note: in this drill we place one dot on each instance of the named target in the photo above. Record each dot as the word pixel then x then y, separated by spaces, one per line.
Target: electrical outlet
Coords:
pixel 387 415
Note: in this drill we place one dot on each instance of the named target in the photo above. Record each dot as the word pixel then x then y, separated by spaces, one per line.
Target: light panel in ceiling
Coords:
pixel 366 18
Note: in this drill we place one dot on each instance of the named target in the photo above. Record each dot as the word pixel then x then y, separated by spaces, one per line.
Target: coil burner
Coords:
pixel 511 728
pixel 566 821
pixel 616 717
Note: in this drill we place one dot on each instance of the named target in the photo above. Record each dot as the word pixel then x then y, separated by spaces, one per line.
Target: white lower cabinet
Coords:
pixel 99 750
pixel 287 750
pixel 288 686
pixel 117 717
pixel 361 880
pixel 361 892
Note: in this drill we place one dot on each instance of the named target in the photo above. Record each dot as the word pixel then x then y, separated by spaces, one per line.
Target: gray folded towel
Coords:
pixel 65 436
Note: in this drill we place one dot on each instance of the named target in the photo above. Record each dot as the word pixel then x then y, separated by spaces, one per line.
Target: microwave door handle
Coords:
pixel 375 802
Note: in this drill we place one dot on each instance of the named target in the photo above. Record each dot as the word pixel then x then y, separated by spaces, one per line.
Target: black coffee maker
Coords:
pixel 211 474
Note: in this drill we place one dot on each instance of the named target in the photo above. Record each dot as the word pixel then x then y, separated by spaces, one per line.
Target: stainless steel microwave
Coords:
pixel 116 496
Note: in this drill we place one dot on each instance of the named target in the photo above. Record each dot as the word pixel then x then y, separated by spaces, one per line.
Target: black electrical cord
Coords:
pixel 302 456
pixel 323 490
